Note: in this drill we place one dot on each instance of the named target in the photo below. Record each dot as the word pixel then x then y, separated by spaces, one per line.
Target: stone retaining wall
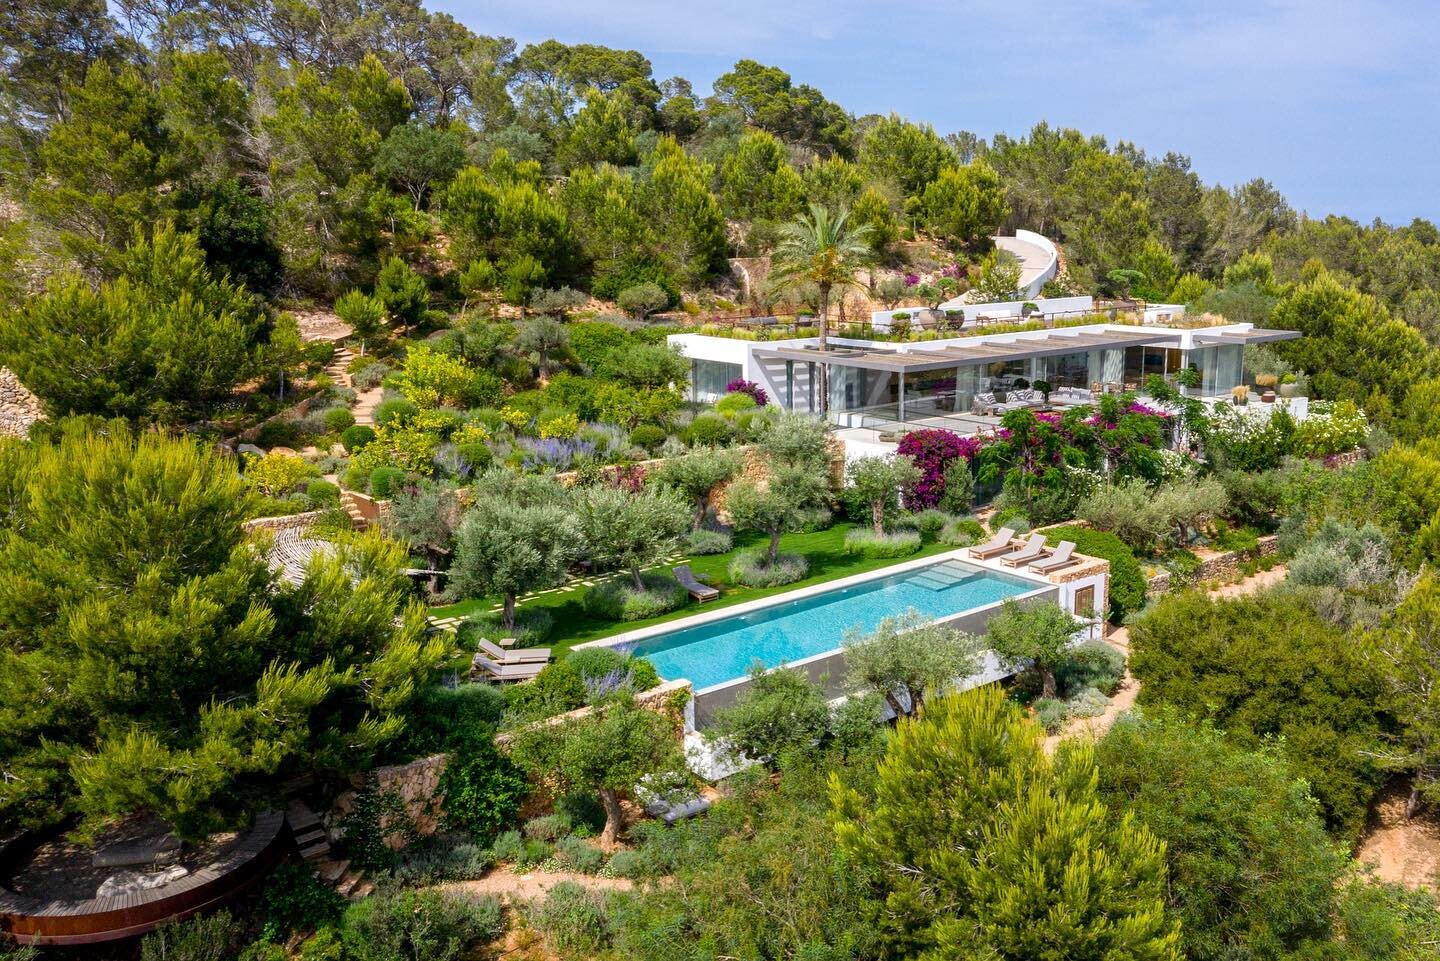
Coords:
pixel 1220 567
pixel 18 407
pixel 282 523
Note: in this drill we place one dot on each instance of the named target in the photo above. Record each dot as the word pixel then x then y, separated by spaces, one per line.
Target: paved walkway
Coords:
pixel 1095 728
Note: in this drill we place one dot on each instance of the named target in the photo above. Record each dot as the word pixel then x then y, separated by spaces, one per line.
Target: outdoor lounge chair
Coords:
pixel 1062 396
pixel 506 672
pixel 502 655
pixel 1057 561
pixel 998 544
pixel 983 402
pixel 701 592
pixel 1033 549
pixel 1017 399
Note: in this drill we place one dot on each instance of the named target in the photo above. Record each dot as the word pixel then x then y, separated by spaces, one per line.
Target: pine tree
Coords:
pixel 982 846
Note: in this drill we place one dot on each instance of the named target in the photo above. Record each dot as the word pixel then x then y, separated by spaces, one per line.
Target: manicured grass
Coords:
pixel 824 549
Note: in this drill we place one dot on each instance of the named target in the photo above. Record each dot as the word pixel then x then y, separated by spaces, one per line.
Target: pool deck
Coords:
pixel 1086 567
pixel 722 613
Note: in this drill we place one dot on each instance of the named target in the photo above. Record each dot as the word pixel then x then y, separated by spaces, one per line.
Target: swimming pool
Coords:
pixel 722 650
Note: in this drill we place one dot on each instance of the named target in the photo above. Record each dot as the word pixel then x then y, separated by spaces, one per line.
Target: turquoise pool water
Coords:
pixel 723 650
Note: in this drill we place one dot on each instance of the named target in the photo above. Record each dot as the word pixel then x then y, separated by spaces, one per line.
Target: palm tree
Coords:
pixel 824 249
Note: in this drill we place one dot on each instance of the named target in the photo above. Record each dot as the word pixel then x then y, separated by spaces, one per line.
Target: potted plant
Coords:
pixel 1266 384
pixel 1289 387
pixel 1028 308
pixel 1188 378
pixel 1043 386
pixel 1240 395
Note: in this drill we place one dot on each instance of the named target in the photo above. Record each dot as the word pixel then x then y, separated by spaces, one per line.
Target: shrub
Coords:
pixel 508 846
pixel 750 388
pixel 649 437
pixel 356 478
pixel 356 437
pixel 338 419
pixel 395 409
pixel 278 433
pixel 579 855
pixel 483 790
pixel 1092 664
pixel 370 377
pixel 732 404
pixel 573 920
pixel 425 865
pixel 294 899
pixel 617 599
pixel 213 938
pixel 547 827
pixel 705 541
pixel 1127 581
pixel 476 456
pixel 962 532
pixel 928 522
pixel 626 863
pixel 1049 714
pixel 867 543
pixel 643 299
pixel 750 568
pixel 933 450
pixel 1087 702
pixel 532 625
pixel 384 480
pixel 1011 517
pixel 406 925
pixel 708 430
pixel 322 493
pixel 595 664
pixel 276 474
pixel 959 493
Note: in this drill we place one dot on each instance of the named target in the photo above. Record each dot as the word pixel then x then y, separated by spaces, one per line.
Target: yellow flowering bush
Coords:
pixel 277 474
pixel 560 426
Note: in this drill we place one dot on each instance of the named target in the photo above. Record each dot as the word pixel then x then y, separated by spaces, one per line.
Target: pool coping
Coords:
pixel 1042 585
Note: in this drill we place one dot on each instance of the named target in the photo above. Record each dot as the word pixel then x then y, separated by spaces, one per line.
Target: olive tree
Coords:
pixel 630 530
pixel 609 750
pixel 1034 638
pixel 908 655
pixel 878 481
pixel 697 475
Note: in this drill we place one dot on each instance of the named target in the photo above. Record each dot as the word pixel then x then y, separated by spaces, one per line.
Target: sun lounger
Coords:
pixel 1056 561
pixel 524 655
pixel 506 672
pixel 701 592
pixel 1032 550
pixel 998 544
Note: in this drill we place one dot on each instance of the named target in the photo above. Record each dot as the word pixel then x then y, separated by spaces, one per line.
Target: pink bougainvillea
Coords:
pixel 742 386
pixel 932 451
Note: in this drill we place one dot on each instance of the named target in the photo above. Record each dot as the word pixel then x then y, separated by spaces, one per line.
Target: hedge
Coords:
pixel 1127 580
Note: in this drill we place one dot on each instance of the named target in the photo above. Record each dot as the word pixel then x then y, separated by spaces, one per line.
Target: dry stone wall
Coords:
pixel 18 407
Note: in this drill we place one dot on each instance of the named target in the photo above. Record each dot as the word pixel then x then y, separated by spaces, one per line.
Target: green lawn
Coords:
pixel 824 549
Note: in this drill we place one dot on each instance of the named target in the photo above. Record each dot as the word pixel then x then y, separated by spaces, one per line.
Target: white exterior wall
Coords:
pixel 1052 267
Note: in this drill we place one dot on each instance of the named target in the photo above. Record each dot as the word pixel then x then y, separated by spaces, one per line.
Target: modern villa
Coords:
pixel 963 379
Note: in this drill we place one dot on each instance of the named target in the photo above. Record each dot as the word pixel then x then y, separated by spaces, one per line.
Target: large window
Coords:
pixel 1141 362
pixel 708 379
pixel 1221 368
pixel 1067 370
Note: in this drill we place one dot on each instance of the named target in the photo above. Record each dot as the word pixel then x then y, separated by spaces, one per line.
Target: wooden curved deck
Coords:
pixel 96 920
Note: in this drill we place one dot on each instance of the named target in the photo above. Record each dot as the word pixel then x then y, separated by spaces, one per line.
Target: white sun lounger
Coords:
pixel 1033 549
pixel 998 544
pixel 1057 561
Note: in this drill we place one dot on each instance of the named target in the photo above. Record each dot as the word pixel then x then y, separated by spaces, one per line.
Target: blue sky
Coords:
pixel 1335 102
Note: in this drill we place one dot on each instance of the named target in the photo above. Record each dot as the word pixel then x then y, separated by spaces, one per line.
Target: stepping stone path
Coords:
pixel 367 400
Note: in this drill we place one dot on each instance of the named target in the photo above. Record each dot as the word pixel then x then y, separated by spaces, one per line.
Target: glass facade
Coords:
pixel 708 379
pixel 1221 368
pixel 1066 370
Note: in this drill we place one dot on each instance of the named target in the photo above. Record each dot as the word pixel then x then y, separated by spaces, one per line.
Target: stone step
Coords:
pixel 311 836
pixel 332 871
pixel 318 849
pixel 362 891
pixel 349 881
